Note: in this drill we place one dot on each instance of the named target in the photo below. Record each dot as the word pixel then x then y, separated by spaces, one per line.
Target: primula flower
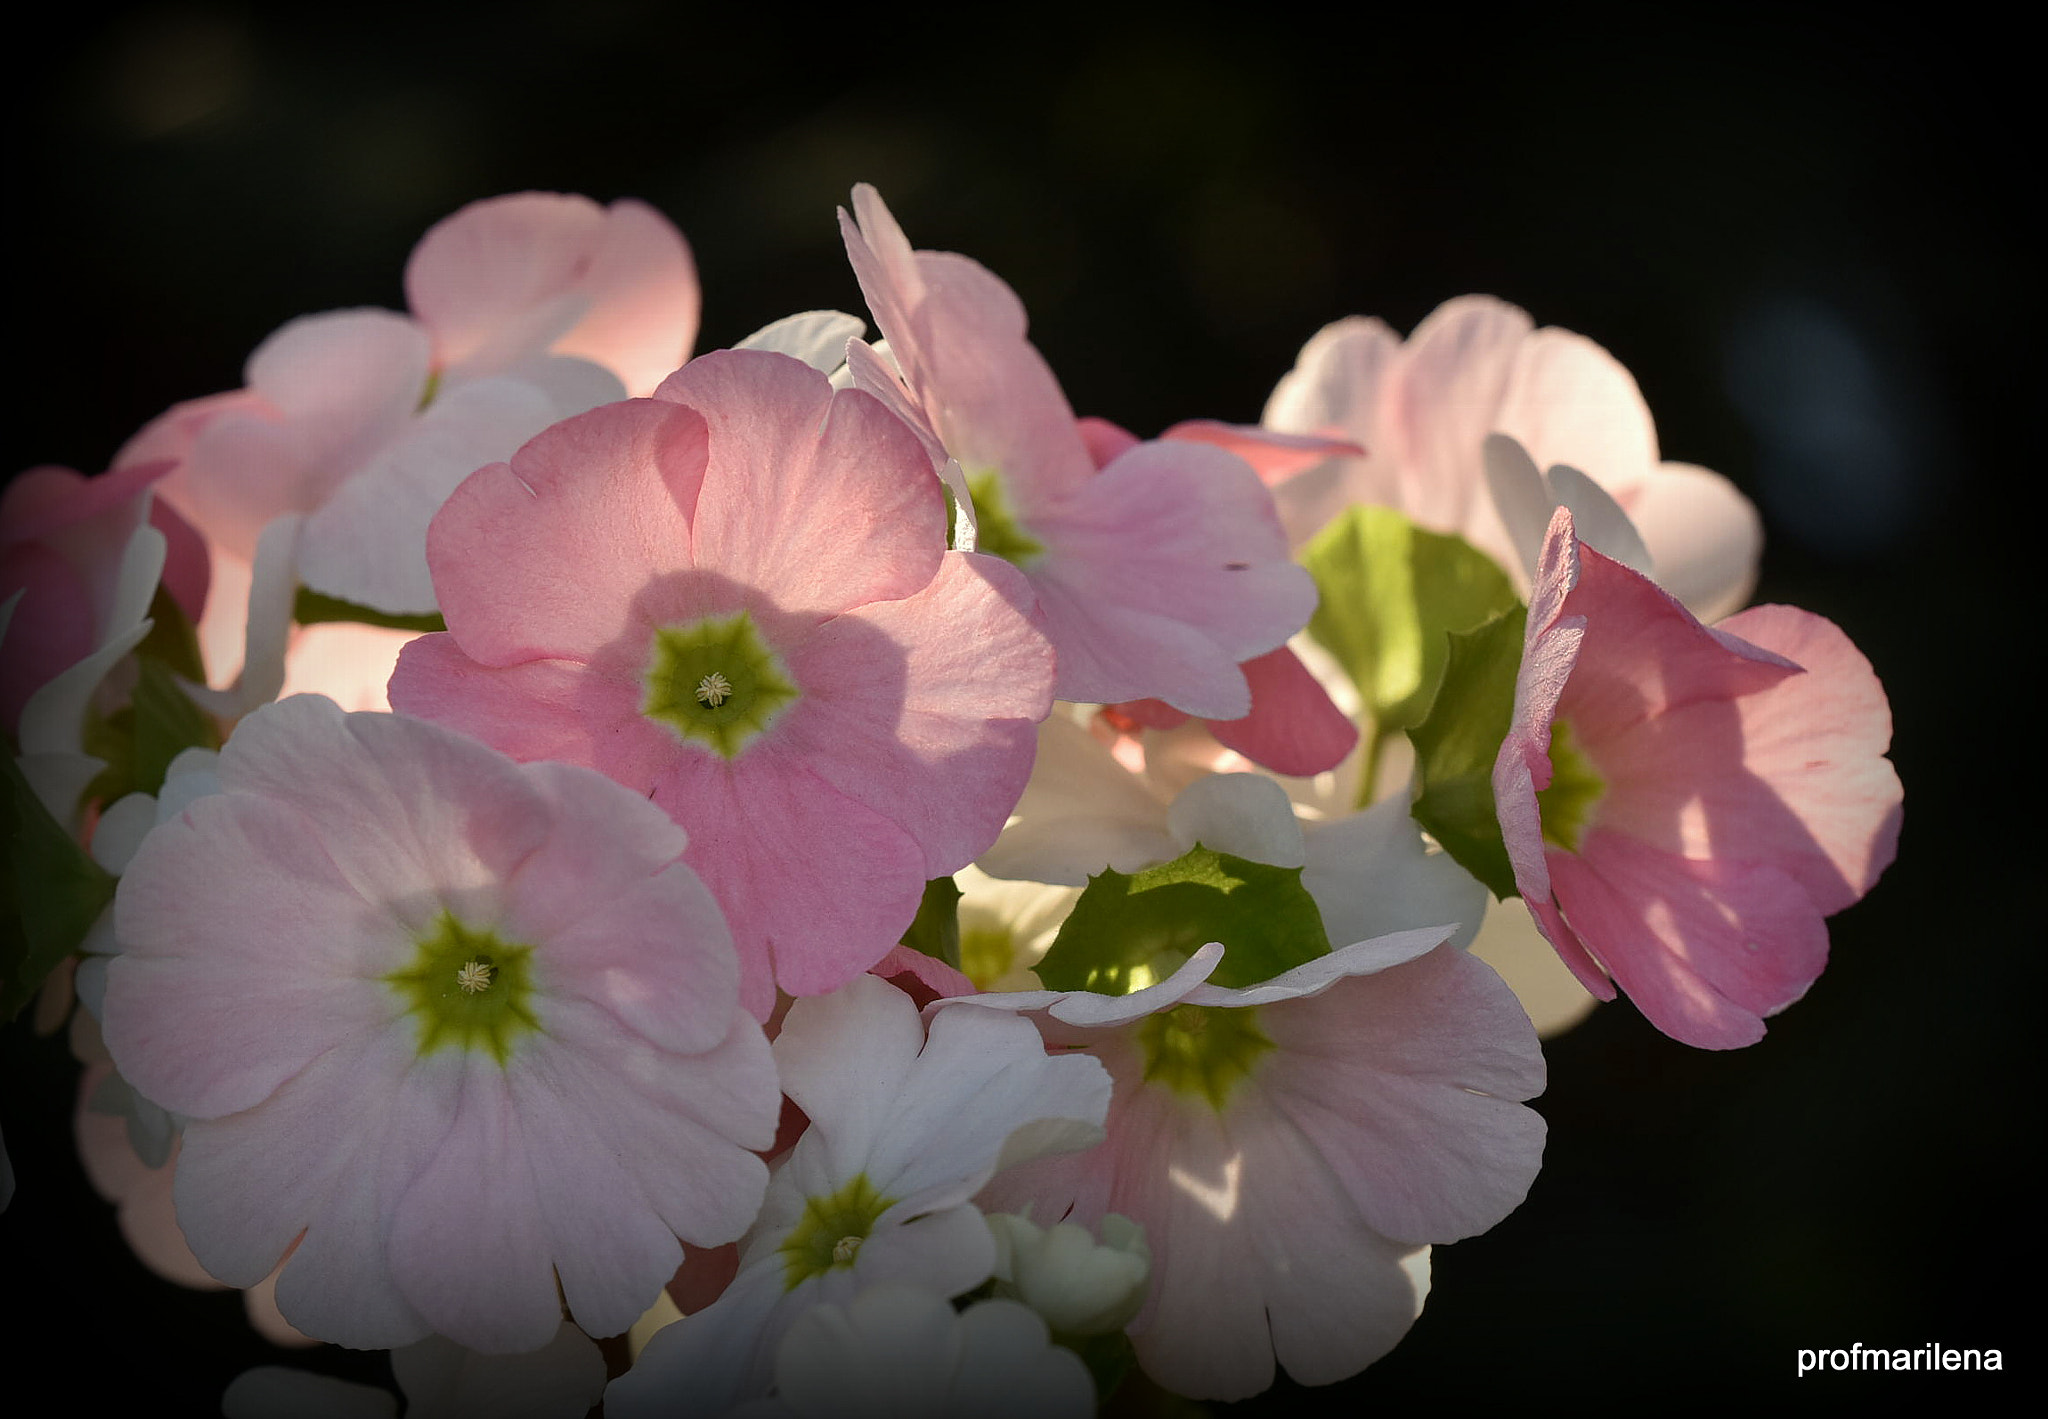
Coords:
pixel 1422 410
pixel 64 540
pixel 1682 806
pixel 1159 573
pixel 448 1032
pixel 1292 1148
pixel 526 309
pixel 905 1126
pixel 1081 1288
pixel 736 598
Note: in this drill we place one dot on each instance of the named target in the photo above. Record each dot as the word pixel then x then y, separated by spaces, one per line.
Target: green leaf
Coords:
pixel 139 740
pixel 1391 594
pixel 172 639
pixel 1456 746
pixel 936 928
pixel 50 891
pixel 166 724
pixel 310 608
pixel 1127 932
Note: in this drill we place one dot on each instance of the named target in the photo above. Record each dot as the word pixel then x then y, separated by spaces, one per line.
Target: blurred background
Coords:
pixel 1803 236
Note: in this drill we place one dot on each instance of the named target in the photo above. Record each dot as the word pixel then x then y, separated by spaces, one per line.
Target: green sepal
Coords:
pixel 139 740
pixel 1123 926
pixel 51 892
pixel 172 639
pixel 1390 593
pixel 936 928
pixel 1456 746
pixel 310 608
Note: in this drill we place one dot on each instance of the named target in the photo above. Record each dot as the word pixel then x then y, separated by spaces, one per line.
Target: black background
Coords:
pixel 1803 236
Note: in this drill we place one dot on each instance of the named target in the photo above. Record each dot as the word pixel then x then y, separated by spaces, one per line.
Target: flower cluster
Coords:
pixel 886 895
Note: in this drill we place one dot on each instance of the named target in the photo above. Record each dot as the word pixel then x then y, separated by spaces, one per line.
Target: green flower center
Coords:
pixel 1575 790
pixel 469 989
pixel 996 530
pixel 716 681
pixel 1202 1050
pixel 986 953
pixel 830 1232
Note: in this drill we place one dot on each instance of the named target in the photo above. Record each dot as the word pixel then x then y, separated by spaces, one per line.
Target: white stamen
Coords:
pixel 843 1250
pixel 473 977
pixel 713 689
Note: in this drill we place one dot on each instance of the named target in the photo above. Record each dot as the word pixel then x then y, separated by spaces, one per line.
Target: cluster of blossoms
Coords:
pixel 887 896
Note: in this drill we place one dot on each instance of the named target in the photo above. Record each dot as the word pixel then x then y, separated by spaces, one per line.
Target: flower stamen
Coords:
pixel 474 976
pixel 714 689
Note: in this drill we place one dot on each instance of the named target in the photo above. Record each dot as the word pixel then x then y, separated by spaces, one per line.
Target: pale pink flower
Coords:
pixel 907 1123
pixel 81 563
pixel 447 1032
pixel 526 309
pixel 1293 728
pixel 736 598
pixel 1422 409
pixel 1683 806
pixel 1292 1149
pixel 1160 573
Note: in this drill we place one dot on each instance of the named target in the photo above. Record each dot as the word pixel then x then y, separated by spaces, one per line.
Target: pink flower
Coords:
pixel 446 1031
pixel 1159 573
pixel 526 309
pixel 735 598
pixel 1422 409
pixel 1683 806
pixel 1291 1149
pixel 63 543
pixel 1293 728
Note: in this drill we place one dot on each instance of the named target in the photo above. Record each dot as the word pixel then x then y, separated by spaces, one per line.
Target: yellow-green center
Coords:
pixel 1575 790
pixel 1202 1050
pixel 996 528
pixel 986 953
pixel 716 681
pixel 829 1234
pixel 468 989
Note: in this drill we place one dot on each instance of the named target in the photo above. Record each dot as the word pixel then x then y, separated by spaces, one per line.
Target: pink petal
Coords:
pixel 360 1137
pixel 1818 739
pixel 830 518
pixel 1423 1127
pixel 510 277
pixel 202 1013
pixel 925 709
pixel 1704 536
pixel 817 887
pixel 1568 401
pixel 367 543
pixel 1168 532
pixel 543 556
pixel 1704 949
pixel 1275 457
pixel 1294 727
pixel 1454 373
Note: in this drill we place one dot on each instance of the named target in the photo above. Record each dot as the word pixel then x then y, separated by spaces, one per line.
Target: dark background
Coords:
pixel 1802 236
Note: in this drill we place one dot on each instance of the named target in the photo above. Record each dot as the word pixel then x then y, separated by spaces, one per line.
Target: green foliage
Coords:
pixel 1455 748
pixel 139 740
pixel 51 892
pixel 310 608
pixel 936 928
pixel 1127 932
pixel 1392 593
